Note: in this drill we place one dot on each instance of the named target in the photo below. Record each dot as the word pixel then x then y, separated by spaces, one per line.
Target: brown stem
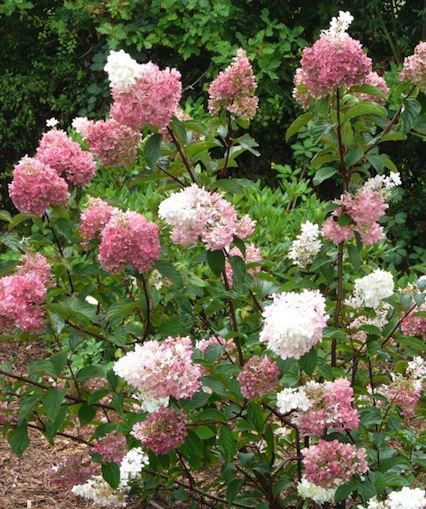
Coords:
pixel 62 434
pixel 339 302
pixel 228 144
pixel 176 179
pixel 148 309
pixel 343 170
pixel 186 161
pixel 233 318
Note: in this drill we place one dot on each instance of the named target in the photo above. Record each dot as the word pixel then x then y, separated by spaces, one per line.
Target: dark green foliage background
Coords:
pixel 52 55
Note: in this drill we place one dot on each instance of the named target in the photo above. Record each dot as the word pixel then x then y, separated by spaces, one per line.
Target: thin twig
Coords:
pixel 185 158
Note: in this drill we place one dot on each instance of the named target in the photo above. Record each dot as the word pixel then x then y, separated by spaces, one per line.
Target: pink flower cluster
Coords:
pixel 74 469
pixel 151 101
pixel 111 448
pixel 113 144
pixel 161 369
pixel 365 208
pixel 258 376
pixel 330 407
pixel 94 219
pixel 329 464
pixel 195 214
pixel 36 187
pixel 234 88
pixel 375 80
pixel 414 325
pixel 414 68
pixel 333 62
pixel 404 392
pixel 128 238
pixel 162 430
pixel 22 293
pixel 66 157
pixel 252 257
pixel 203 344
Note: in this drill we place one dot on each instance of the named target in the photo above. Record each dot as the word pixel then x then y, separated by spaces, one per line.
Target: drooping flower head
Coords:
pixel 234 89
pixel 36 187
pixel 293 323
pixel 151 100
pixel 94 219
pixel 162 430
pixel 335 60
pixel 112 143
pixel 128 238
pixel 258 376
pixel 161 369
pixel 414 68
pixel 329 464
pixel 195 214
pixel 66 157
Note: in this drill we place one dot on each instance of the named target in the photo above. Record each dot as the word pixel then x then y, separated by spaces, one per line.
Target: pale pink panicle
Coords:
pixel 414 325
pixel 300 90
pixel 334 62
pixel 37 264
pixel 195 214
pixel 252 258
pixel 405 391
pixel 73 469
pixel 66 157
pixel 375 80
pixel 334 231
pixel 81 125
pixel 128 238
pixel 370 234
pixel 111 448
pixel 258 376
pixel 365 207
pixel 151 101
pixel 36 187
pixel 329 464
pixel 203 344
pixel 162 369
pixel 94 219
pixel 330 407
pixel 112 143
pixel 162 430
pixel 234 89
pixel 414 68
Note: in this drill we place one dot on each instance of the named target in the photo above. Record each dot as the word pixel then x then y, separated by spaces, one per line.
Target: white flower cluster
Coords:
pixel 316 493
pixel 51 122
pixel 81 124
pixel 149 404
pixel 100 492
pixel 178 210
pixel 383 184
pixel 292 399
pixel 371 289
pixel 407 498
pixel 306 245
pixel 339 25
pixel 122 69
pixel 417 368
pixel 293 323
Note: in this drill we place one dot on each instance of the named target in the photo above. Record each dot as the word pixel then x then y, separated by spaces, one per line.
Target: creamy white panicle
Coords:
pixel 371 289
pixel 150 404
pixel 383 184
pixel 122 70
pixel 131 466
pixel 51 122
pixel 339 25
pixel 292 399
pixel 407 498
pixel 306 245
pixel 313 492
pixel 81 124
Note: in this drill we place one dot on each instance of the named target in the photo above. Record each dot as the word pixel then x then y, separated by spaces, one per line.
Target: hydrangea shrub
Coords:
pixel 236 364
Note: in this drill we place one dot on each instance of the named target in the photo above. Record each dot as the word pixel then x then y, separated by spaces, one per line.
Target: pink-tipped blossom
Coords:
pixel 36 263
pixel 151 101
pixel 111 448
pixel 94 219
pixel 162 430
pixel 252 259
pixel 329 464
pixel 162 369
pixel 414 325
pixel 112 143
pixel 36 187
pixel 258 376
pixel 404 391
pixel 195 214
pixel 234 89
pixel 332 230
pixel 414 68
pixel 66 157
pixel 128 238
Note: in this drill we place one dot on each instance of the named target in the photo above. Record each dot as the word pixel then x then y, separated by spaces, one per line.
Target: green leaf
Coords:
pixel 86 413
pixel 152 150
pixel 26 406
pixel 353 156
pixel 354 256
pixel 320 159
pixel 169 271
pixel 111 474
pixel 204 432
pixel 216 261
pixel 367 89
pixel 52 403
pixel 410 113
pixel 227 442
pixel 297 124
pixel 308 362
pixel 323 174
pixel 365 109
pixel 255 416
pixel 19 440
pixel 393 136
pixel 370 415
pixel 233 489
pixel 59 362
pixel 344 491
pixel 376 161
pixel 89 372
